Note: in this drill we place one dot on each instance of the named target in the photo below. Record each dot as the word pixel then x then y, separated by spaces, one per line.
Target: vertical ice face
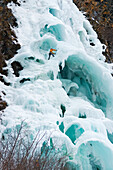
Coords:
pixel 71 94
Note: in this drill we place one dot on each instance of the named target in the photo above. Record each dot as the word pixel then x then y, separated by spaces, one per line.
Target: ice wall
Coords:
pixel 70 95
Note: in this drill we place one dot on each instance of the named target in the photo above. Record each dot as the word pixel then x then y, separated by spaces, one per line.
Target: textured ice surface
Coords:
pixel 70 95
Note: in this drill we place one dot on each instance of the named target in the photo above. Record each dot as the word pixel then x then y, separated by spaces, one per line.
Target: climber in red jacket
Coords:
pixel 51 52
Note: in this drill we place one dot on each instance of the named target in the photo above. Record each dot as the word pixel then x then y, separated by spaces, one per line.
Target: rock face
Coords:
pixel 16 67
pixel 100 15
pixel 8 41
pixel 3 104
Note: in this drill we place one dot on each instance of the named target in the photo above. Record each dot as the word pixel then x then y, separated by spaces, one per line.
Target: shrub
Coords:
pixel 17 152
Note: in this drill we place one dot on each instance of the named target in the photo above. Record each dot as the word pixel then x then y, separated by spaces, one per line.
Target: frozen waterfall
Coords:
pixel 70 95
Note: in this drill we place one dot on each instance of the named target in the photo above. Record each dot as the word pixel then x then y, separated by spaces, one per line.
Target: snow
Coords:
pixel 84 84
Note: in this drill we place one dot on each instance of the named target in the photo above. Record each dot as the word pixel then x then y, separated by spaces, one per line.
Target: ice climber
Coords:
pixel 52 52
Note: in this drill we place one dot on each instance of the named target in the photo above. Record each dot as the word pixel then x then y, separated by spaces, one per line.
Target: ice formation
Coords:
pixel 70 95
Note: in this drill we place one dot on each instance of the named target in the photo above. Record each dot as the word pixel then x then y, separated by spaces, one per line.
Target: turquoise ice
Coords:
pixel 77 78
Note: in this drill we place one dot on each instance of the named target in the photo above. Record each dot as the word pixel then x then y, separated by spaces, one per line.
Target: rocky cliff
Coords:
pixel 100 15
pixel 8 41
